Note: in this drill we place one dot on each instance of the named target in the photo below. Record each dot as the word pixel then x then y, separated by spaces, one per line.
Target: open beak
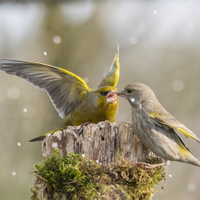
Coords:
pixel 111 96
pixel 121 94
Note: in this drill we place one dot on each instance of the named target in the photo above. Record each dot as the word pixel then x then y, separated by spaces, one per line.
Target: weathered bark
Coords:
pixel 100 142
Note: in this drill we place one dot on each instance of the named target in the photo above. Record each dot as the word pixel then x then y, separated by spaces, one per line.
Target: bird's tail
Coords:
pixel 194 161
pixel 59 128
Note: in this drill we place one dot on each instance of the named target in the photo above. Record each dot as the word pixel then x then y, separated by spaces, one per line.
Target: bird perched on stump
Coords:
pixel 155 127
pixel 69 93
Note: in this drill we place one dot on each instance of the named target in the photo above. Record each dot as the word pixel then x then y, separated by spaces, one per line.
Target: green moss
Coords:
pixel 75 177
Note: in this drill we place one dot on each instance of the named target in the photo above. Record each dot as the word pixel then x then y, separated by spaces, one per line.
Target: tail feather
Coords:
pixel 194 161
pixel 38 139
pixel 59 128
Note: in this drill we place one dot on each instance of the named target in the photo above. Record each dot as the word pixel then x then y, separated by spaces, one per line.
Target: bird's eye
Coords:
pixel 129 91
pixel 104 93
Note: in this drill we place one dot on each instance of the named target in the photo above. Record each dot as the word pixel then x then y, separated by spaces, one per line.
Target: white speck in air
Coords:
pixel 155 12
pixel 29 111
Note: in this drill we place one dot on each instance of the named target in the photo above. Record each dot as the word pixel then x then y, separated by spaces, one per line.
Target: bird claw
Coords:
pixel 85 123
pixel 150 166
pixel 82 127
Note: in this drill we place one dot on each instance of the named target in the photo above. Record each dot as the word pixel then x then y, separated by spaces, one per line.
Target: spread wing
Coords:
pixel 167 121
pixel 112 76
pixel 62 86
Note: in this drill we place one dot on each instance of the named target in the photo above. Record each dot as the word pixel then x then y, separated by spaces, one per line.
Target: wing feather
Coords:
pixel 62 86
pixel 166 120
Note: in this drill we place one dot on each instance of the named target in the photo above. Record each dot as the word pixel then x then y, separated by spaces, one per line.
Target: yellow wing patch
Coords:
pixel 174 124
pixel 187 133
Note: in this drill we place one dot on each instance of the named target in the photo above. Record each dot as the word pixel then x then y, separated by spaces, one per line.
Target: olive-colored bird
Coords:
pixel 70 94
pixel 155 127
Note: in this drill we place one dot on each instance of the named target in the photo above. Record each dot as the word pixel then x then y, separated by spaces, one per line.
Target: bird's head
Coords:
pixel 136 93
pixel 104 101
pixel 108 93
pixel 105 96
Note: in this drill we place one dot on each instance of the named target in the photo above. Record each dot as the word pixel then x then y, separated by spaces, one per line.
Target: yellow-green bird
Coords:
pixel 155 127
pixel 69 93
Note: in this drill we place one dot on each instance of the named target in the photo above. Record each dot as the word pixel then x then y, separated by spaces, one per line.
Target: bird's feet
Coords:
pixel 82 127
pixel 85 123
pixel 150 166
pixel 165 163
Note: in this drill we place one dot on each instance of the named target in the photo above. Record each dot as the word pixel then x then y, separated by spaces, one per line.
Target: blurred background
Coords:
pixel 159 46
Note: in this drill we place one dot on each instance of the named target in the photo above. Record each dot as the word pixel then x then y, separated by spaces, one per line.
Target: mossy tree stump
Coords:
pixel 103 143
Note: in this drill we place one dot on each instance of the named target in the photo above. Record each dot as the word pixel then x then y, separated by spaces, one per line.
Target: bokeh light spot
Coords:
pixel 19 144
pixel 14 173
pixel 178 85
pixel 155 12
pixel 191 186
pixel 57 39
pixel 13 92
pixel 133 40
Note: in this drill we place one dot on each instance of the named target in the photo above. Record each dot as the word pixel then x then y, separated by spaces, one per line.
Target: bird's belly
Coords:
pixel 84 114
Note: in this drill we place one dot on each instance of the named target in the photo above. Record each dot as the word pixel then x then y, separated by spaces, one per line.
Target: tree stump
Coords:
pixel 103 143
pixel 100 142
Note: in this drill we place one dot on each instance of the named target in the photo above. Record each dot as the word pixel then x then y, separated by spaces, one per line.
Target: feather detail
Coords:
pixel 62 86
pixel 112 76
pixel 172 123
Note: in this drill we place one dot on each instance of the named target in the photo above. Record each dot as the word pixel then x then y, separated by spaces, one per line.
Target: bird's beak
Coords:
pixel 121 94
pixel 111 96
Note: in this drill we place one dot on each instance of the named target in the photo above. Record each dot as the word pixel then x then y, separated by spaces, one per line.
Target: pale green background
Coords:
pixel 159 46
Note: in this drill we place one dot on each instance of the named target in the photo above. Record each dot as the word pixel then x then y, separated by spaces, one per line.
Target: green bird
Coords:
pixel 70 95
pixel 155 127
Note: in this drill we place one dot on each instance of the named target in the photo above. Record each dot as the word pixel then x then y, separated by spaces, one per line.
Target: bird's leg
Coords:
pixel 85 124
pixel 149 166
pixel 82 127
pixel 165 163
